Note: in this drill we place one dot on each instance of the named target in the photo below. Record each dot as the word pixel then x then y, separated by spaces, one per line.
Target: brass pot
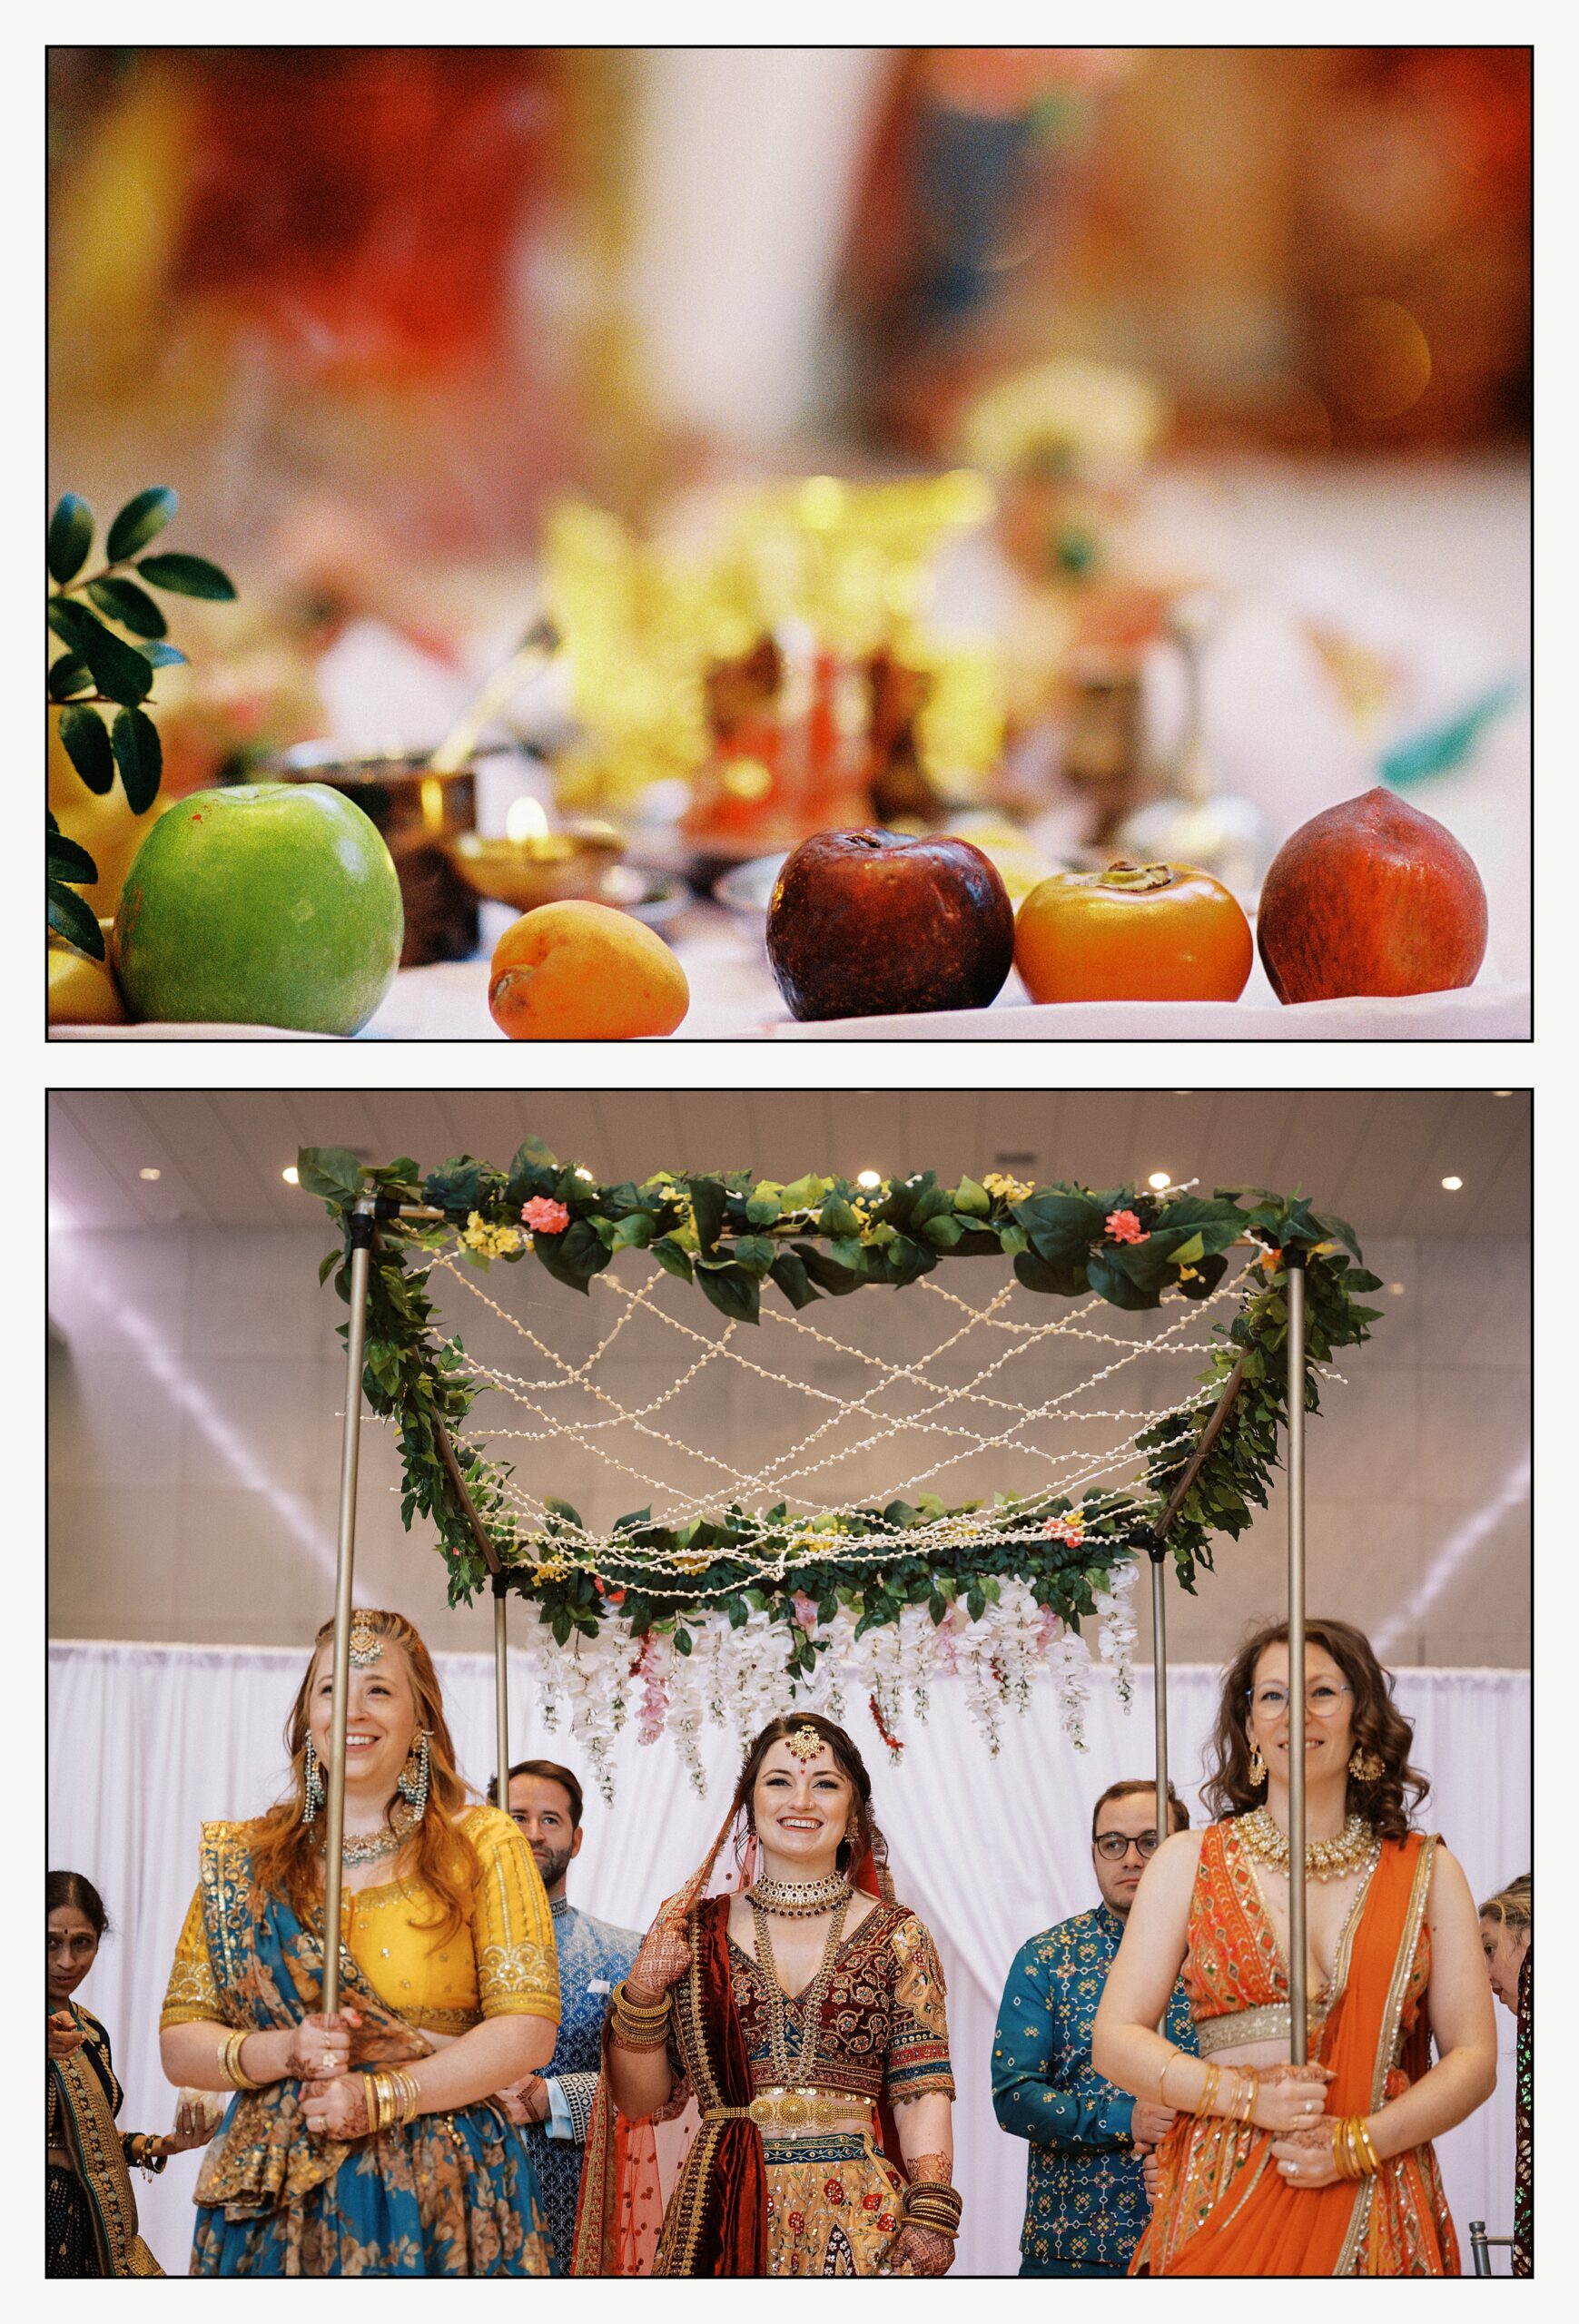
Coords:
pixel 419 815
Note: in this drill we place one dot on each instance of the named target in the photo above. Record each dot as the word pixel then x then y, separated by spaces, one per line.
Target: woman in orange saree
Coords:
pixel 1271 2169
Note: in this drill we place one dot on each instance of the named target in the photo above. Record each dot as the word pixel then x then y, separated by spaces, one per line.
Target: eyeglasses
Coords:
pixel 1116 1844
pixel 1321 1700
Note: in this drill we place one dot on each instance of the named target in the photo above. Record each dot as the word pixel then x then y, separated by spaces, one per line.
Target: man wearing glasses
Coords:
pixel 1085 2201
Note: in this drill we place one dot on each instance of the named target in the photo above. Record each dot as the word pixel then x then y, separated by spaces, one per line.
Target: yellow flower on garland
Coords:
pixel 1012 1190
pixel 490 1241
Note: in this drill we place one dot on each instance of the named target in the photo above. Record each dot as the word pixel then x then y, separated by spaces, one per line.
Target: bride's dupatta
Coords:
pixel 268 1970
pixel 716 2223
pixel 1258 2225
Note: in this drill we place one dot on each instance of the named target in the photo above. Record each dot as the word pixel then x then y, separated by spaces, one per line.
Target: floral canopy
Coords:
pixel 738 1610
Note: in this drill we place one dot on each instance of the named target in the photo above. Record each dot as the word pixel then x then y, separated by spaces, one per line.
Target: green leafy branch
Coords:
pixel 102 665
pixel 841 1238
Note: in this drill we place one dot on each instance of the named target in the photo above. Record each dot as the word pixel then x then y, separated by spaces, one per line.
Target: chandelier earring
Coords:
pixel 412 1784
pixel 1257 1767
pixel 311 1781
pixel 1366 1767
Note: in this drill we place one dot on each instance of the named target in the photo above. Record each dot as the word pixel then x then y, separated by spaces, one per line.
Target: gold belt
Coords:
pixel 794 2109
pixel 1274 2022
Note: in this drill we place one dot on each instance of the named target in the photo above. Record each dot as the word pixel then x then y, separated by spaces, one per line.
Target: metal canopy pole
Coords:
pixel 361 1224
pixel 1294 1276
pixel 1155 1545
pixel 501 1679
pixel 1159 1685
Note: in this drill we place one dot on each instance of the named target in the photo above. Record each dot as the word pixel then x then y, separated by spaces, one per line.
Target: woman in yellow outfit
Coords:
pixel 365 2143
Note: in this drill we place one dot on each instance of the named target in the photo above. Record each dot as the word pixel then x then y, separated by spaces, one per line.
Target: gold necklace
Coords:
pixel 800 1900
pixel 777 2040
pixel 1355 1849
pixel 369 1848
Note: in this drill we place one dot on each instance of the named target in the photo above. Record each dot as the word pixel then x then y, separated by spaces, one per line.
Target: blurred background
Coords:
pixel 905 435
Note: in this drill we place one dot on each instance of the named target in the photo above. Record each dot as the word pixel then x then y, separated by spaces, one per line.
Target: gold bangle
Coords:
pixel 641 2012
pixel 1366 2146
pixel 229 2059
pixel 1173 2052
pixel 637 2037
pixel 1250 2085
pixel 408 2095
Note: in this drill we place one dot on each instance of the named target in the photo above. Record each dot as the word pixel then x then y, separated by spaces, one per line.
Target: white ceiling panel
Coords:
pixel 1376 1157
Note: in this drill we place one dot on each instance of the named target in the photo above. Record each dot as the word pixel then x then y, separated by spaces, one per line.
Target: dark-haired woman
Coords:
pixel 798 2013
pixel 1325 2168
pixel 368 2142
pixel 90 2211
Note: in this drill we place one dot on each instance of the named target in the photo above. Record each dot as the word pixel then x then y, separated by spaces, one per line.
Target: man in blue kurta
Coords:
pixel 1085 2201
pixel 555 2107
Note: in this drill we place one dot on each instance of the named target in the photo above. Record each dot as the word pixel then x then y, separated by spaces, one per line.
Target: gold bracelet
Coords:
pixel 1370 2161
pixel 229 2059
pixel 1207 2103
pixel 637 2037
pixel 642 2012
pixel 1249 2080
pixel 1173 2052
pixel 408 2093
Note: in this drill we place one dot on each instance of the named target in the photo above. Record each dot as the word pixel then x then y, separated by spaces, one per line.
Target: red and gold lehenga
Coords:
pixel 1223 2208
pixel 751 2200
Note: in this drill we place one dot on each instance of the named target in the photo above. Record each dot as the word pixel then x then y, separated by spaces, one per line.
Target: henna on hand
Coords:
pixel 920 2252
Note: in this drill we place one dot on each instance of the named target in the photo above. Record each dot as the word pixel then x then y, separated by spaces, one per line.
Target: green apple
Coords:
pixel 270 904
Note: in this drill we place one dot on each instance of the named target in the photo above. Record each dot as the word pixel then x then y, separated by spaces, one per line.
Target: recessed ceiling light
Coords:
pixel 1159 1179
pixel 1453 1184
pixel 291 1175
pixel 1396 1289
pixel 868 1178
pixel 1502 1093
pixel 147 1174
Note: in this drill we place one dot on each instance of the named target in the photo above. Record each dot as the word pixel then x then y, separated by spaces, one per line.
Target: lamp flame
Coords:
pixel 526 820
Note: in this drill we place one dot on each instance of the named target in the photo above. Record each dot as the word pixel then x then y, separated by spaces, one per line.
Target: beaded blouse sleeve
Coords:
pixel 191 1996
pixel 512 1928
pixel 918 2045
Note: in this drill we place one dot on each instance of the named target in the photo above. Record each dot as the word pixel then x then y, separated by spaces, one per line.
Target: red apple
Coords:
pixel 872 924
pixel 1371 897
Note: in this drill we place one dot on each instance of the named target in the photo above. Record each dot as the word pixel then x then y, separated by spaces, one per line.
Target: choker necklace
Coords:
pixel 800 1900
pixel 1356 1848
pixel 369 1848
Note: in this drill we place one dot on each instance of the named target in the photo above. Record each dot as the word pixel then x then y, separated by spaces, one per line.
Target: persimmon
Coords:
pixel 1151 932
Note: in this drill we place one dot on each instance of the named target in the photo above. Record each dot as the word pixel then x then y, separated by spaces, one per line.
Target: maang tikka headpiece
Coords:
pixel 805 1743
pixel 366 1645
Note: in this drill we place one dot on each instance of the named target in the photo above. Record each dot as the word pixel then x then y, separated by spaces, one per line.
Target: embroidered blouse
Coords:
pixel 1235 1969
pixel 501 1963
pixel 884 2031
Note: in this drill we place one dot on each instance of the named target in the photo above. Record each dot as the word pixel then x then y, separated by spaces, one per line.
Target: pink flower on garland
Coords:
pixel 1123 1227
pixel 545 1217
pixel 1070 1530
pixel 611 1597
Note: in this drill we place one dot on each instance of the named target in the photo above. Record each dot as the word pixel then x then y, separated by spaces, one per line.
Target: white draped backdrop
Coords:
pixel 146 1741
